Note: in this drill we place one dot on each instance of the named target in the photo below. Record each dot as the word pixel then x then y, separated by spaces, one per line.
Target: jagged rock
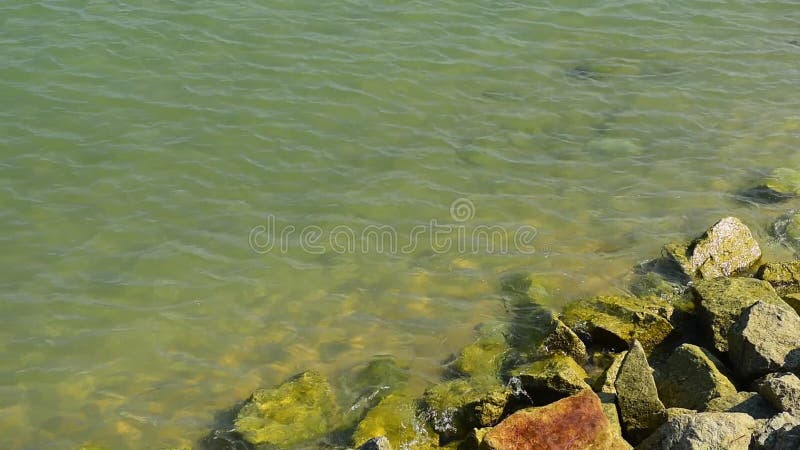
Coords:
pixel 637 397
pixel 378 443
pixel 474 439
pixel 485 356
pixel 609 404
pixel 301 408
pixel 562 339
pixel 692 377
pixel 749 403
pixel 396 418
pixel 781 432
pixel 765 339
pixel 613 322
pixel 605 383
pixel 675 412
pixel 455 407
pixel 552 378
pixel 782 389
pixel 574 422
pixel 721 301
pixel 783 276
pixel 724 249
pixel 703 431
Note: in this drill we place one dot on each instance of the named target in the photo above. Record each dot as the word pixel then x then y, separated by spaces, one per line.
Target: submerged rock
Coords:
pixel 721 301
pixel 651 284
pixel 551 379
pixel 301 408
pixel 703 431
pixel 378 443
pixel 765 339
pixel 455 407
pixel 485 356
pixel 637 397
pixel 783 276
pixel 783 182
pixel 782 389
pixel 396 418
pixel 615 321
pixel 749 403
pixel 724 249
pixel 575 422
pixel 787 230
pixel 781 432
pixel 692 377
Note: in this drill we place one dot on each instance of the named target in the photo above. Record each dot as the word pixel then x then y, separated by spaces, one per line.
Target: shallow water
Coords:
pixel 144 143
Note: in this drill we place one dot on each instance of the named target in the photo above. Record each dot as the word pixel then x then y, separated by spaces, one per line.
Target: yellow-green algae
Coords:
pixel 397 418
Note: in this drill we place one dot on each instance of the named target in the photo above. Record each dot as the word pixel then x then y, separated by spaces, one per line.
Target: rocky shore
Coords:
pixel 704 356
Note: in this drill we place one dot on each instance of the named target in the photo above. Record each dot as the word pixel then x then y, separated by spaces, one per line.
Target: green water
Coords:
pixel 141 142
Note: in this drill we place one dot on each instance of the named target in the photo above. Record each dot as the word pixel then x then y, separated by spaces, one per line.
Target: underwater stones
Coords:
pixel 396 419
pixel 455 407
pixel 749 403
pixel 787 229
pixel 301 408
pixel 378 443
pixel 691 377
pixel 765 339
pixel 724 249
pixel 485 356
pixel 781 432
pixel 613 322
pixel 703 431
pixel 551 378
pixel 721 301
pixel 783 182
pixel 637 397
pixel 382 373
pixel 782 390
pixel 651 284
pixel 574 422
pixel 783 276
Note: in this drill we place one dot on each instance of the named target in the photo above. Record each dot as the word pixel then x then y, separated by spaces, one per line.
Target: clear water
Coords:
pixel 141 142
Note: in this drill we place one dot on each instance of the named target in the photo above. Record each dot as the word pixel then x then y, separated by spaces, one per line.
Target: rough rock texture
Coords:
pixel 703 431
pixel 782 389
pixel 551 379
pixel 765 339
pixel 637 397
pixel 575 422
pixel 783 276
pixel 615 321
pixel 378 443
pixel 781 432
pixel 793 300
pixel 651 284
pixel 692 377
pixel 675 412
pixel 455 407
pixel 562 339
pixel 485 356
pixel 721 301
pixel 725 248
pixel 605 383
pixel 301 408
pixel 749 403
pixel 396 418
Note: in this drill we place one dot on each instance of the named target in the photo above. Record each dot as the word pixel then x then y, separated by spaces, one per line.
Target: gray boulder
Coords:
pixel 721 301
pixel 692 377
pixel 782 390
pixel 724 249
pixel 750 403
pixel 765 339
pixel 781 432
pixel 703 431
pixel 637 396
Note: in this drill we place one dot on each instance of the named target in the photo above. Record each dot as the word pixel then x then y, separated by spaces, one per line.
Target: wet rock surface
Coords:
pixel 703 431
pixel 640 409
pixel 378 443
pixel 765 339
pixel 455 407
pixel 551 378
pixel 691 378
pixel 397 419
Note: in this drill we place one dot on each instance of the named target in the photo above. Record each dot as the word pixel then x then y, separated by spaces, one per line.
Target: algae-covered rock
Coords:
pixel 787 230
pixel 378 443
pixel 552 378
pixel 691 377
pixel 781 432
pixel 637 397
pixel 793 300
pixel 783 182
pixel 575 422
pixel 675 412
pixel 765 339
pixel 396 418
pixel 782 390
pixel 615 321
pixel 485 356
pixel 455 407
pixel 783 276
pixel 703 431
pixel 721 301
pixel 561 339
pixel 301 408
pixel 651 284
pixel 724 249
pixel 605 383
pixel 750 403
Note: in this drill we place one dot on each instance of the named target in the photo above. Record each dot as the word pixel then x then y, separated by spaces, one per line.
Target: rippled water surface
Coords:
pixel 142 142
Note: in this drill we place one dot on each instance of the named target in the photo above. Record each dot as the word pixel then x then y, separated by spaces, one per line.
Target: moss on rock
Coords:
pixel 637 396
pixel 552 378
pixel 783 276
pixel 691 377
pixel 486 355
pixel 396 418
